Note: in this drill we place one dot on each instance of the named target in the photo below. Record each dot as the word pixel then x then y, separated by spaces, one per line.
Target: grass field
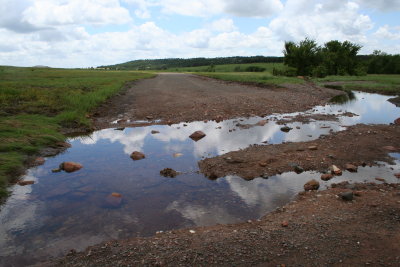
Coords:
pixel 382 83
pixel 36 102
pixel 252 77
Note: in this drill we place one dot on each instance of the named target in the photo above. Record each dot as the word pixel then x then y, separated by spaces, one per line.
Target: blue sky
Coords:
pixel 84 33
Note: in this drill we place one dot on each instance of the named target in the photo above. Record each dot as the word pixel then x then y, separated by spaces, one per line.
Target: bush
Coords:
pixel 255 69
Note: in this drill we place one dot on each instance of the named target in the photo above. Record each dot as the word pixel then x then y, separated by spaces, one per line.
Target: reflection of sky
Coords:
pixel 59 212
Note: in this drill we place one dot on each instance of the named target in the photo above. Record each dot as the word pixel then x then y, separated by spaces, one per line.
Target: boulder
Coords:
pixel 347 196
pixel 311 185
pixel 136 155
pixel 335 170
pixel 196 136
pixel 397 121
pixel 168 172
pixel 326 176
pixel 70 166
pixel 350 167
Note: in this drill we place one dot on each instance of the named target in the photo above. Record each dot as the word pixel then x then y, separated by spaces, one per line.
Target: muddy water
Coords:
pixel 62 211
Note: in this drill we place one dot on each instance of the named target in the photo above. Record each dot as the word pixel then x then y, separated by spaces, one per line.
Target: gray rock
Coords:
pixel 347 196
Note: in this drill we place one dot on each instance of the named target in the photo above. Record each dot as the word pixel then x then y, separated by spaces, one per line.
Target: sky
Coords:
pixel 85 33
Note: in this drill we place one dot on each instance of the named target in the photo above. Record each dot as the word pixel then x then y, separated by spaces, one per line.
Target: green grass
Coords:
pixel 229 67
pixel 35 103
pixel 383 83
pixel 252 77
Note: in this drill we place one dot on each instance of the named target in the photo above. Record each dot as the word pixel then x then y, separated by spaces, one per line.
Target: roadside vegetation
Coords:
pixel 36 103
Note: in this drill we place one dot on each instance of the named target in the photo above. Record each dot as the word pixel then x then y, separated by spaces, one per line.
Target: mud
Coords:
pixel 359 145
pixel 172 98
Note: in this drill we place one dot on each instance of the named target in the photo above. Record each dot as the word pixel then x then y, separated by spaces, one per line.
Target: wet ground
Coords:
pixel 64 211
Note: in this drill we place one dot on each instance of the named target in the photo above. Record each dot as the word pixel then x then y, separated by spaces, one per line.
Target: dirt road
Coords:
pixel 175 97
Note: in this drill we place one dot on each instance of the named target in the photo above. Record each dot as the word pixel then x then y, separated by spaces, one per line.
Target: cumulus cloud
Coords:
pixel 385 32
pixel 382 5
pixel 253 8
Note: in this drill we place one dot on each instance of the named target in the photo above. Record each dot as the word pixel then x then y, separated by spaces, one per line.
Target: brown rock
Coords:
pixel 285 224
pixel 397 175
pixel 70 166
pixel 154 132
pixel 63 144
pixel 263 164
pixel 23 183
pixel 312 147
pixel 326 176
pixel 262 122
pixel 116 194
pixel 149 117
pixel 39 161
pixel 335 170
pixel 397 121
pixel 311 185
pixel 196 136
pixel 136 155
pixel 121 121
pixel 168 172
pixel 380 179
pixel 350 167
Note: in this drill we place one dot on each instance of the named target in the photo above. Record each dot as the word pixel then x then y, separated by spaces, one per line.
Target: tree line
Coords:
pixel 307 58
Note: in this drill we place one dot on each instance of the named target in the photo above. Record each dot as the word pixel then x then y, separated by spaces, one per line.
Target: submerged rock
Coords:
pixel 350 167
pixel 298 169
pixel 136 155
pixel 114 200
pixel 262 122
pixel 154 132
pixel 196 136
pixel 326 176
pixel 311 185
pixel 70 166
pixel 168 172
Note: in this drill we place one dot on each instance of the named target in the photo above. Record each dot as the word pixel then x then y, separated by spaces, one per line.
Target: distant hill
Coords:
pixel 163 64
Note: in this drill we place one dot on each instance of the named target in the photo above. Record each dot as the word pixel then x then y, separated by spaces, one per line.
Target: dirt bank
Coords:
pixel 318 229
pixel 360 144
pixel 181 97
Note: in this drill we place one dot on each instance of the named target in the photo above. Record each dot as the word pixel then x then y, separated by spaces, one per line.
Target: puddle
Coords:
pixel 62 210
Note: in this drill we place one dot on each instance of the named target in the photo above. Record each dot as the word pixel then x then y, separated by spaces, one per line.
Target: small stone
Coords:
pixel 192 231
pixel 335 170
pixel 113 200
pixel 177 155
pixel 263 164
pixel 397 175
pixel 149 117
pixel 390 148
pixel 380 179
pixel 351 167
pixel 196 136
pixel 313 148
pixel 286 129
pixel 311 185
pixel 69 166
pixel 357 193
pixel 23 183
pixel 136 155
pixel 56 170
pixel 116 194
pixel 326 176
pixel 298 169
pixel 285 224
pixel 347 196
pixel 154 132
pixel 121 121
pixel 168 172
pixel 63 144
pixel 397 121
pixel 39 161
pixel 262 122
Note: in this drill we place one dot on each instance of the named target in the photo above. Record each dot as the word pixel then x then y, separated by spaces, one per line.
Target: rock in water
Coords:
pixel 70 166
pixel 350 167
pixel 136 155
pixel 326 176
pixel 335 170
pixel 154 132
pixel 23 183
pixel 196 136
pixel 262 122
pixel 311 185
pixel 168 172
pixel 298 169
pixel 39 161
pixel 113 200
pixel 347 196
pixel 286 129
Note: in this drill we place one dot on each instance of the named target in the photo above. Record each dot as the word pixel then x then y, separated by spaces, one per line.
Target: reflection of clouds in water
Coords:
pixel 132 140
pixel 201 215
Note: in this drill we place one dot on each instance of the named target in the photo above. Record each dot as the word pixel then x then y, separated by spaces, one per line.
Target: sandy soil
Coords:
pixel 358 145
pixel 173 98
pixel 317 229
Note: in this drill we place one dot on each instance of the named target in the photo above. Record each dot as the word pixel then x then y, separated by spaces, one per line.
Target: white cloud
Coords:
pixel 52 13
pixel 222 25
pixel 382 5
pixel 253 8
pixel 386 33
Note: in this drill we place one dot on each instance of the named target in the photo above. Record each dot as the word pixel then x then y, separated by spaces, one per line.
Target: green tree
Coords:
pixel 340 58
